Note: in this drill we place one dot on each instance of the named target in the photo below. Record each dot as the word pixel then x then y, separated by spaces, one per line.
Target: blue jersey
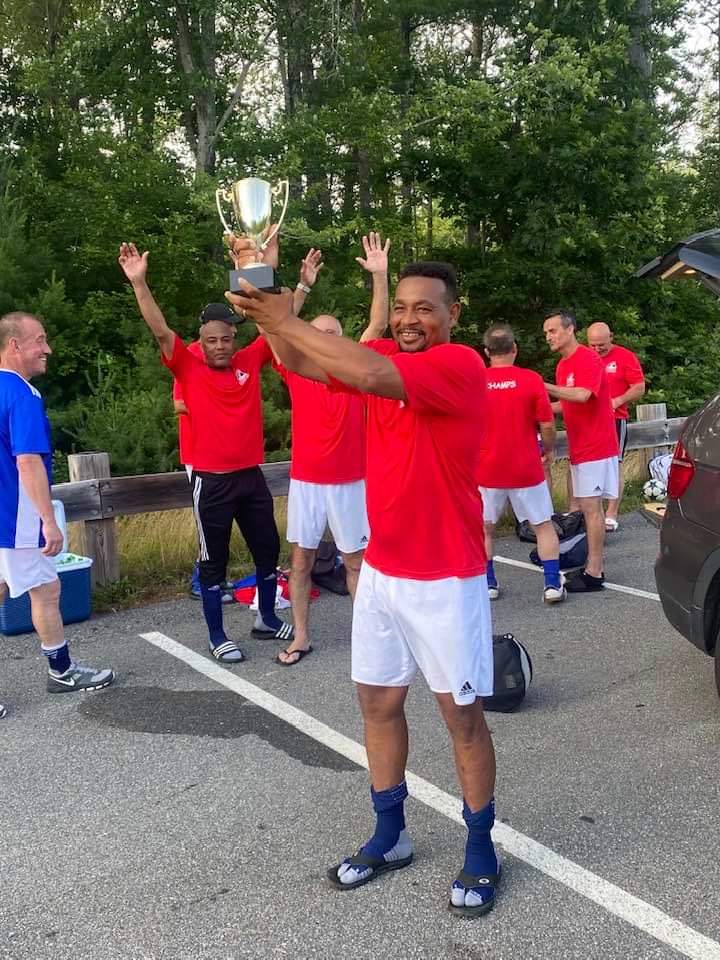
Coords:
pixel 24 428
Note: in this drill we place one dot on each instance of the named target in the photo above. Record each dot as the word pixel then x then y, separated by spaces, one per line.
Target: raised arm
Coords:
pixel 338 357
pixel 134 267
pixel 376 264
pixel 309 269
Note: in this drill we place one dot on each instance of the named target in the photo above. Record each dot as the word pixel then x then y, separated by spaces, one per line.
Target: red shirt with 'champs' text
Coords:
pixel 623 370
pixel 590 426
pixel 424 508
pixel 328 432
pixel 224 406
pixel 517 402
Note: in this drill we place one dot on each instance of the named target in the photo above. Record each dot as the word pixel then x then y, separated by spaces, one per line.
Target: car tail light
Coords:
pixel 682 470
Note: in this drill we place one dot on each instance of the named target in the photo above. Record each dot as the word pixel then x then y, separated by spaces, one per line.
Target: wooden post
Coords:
pixel 650 411
pixel 97 537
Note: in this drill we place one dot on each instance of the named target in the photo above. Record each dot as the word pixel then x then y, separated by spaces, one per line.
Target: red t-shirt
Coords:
pixel 623 370
pixel 590 426
pixel 517 401
pixel 424 508
pixel 183 419
pixel 328 432
pixel 224 406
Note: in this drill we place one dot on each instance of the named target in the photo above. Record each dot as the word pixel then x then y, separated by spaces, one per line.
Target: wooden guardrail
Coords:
pixel 98 501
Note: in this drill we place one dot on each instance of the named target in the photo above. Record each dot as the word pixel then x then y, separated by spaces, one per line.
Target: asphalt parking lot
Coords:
pixel 189 812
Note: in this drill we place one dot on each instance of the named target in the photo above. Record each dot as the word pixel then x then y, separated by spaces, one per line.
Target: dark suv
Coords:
pixel 687 570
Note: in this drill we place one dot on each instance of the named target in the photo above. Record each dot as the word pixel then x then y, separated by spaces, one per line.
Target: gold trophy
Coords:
pixel 252 204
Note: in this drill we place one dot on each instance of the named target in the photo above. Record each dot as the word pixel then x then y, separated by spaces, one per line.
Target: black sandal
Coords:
pixel 378 866
pixel 468 880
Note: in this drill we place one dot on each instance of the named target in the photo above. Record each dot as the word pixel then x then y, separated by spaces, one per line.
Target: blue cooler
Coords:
pixel 75 597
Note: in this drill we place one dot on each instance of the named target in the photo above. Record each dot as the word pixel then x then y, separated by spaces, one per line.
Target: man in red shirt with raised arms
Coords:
pixel 627 385
pixel 422 599
pixel 221 391
pixel 584 394
pixel 327 472
pixel 510 465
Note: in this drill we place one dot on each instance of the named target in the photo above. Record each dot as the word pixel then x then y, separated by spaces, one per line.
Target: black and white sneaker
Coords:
pixel 3 711
pixel 77 677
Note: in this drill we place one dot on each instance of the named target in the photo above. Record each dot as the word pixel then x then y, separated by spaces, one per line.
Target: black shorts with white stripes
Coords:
pixel 242 496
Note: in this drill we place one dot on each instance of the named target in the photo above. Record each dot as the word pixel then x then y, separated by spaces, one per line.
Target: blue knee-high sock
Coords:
pixel 491 579
pixel 551 569
pixel 195 579
pixel 389 808
pixel 212 608
pixel 267 590
pixel 58 658
pixel 480 855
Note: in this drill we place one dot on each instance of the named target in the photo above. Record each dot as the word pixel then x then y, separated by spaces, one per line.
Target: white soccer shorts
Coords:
pixel 341 506
pixel 528 503
pixel 596 478
pixel 23 568
pixel 443 627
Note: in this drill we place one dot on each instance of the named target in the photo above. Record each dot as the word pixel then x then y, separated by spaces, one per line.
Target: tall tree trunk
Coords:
pixel 637 50
pixel 197 46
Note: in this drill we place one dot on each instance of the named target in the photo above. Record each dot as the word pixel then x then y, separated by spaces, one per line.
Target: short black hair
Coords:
pixel 567 317
pixel 499 339
pixel 437 270
pixel 218 311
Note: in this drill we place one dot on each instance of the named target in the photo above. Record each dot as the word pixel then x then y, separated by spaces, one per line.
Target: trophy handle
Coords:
pixel 275 191
pixel 222 195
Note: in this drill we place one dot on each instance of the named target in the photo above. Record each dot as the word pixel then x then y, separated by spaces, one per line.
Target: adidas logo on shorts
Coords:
pixel 466 689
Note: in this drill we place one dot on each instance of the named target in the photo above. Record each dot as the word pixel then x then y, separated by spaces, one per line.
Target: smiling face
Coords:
pixel 421 315
pixel 560 339
pixel 28 352
pixel 217 339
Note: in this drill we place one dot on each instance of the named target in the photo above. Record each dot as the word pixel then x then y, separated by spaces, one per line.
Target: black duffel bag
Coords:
pixel 513 673
pixel 329 571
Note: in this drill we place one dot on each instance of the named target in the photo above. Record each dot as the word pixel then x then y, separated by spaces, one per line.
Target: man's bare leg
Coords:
pixel 592 510
pixel 386 743
pixel 473 891
pixel 301 564
pixel 46 617
pixel 353 562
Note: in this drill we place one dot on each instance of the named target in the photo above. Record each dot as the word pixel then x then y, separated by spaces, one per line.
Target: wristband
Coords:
pixel 303 287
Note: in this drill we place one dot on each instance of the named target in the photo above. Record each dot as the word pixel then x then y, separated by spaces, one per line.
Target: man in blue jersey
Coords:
pixel 29 534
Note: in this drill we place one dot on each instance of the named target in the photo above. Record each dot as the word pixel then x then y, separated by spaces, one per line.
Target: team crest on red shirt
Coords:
pixel 241 376
pixel 570 382
pixel 611 367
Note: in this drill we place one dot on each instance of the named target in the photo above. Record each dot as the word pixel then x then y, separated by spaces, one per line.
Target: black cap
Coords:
pixel 218 311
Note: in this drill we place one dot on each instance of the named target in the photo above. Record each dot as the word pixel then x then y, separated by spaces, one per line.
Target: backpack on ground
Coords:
pixel 513 673
pixel 566 525
pixel 573 553
pixel 329 571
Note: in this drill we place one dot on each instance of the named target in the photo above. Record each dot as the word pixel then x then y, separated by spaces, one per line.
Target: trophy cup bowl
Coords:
pixel 252 205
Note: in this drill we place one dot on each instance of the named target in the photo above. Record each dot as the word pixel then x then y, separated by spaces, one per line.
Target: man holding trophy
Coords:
pixel 422 599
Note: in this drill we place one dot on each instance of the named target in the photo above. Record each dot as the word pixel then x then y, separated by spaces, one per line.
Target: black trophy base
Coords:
pixel 261 276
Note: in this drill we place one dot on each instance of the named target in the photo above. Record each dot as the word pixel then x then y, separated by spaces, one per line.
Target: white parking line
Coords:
pixel 614 899
pixel 619 587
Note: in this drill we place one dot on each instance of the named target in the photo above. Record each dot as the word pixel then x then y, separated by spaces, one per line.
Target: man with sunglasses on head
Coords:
pixel 221 391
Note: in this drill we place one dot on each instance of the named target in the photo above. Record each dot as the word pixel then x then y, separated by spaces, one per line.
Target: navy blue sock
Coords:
pixel 389 808
pixel 492 582
pixel 267 591
pixel 551 569
pixel 58 659
pixel 480 855
pixel 195 579
pixel 212 608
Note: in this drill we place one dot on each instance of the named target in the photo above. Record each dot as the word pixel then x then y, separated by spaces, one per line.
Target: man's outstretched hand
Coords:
pixel 267 310
pixel 376 255
pixel 134 264
pixel 310 267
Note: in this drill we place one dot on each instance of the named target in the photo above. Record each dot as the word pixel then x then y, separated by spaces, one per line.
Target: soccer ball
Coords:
pixel 654 490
